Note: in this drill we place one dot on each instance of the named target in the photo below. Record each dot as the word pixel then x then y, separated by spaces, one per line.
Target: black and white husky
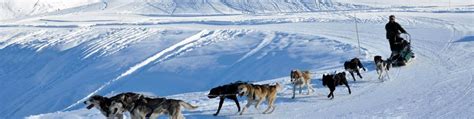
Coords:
pixel 102 104
pixel 382 66
pixel 106 105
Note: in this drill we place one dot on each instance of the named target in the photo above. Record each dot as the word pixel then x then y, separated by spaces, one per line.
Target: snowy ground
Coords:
pixel 53 59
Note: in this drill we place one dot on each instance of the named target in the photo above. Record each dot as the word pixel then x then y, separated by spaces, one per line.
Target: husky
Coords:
pixel 146 107
pixel 103 105
pixel 228 91
pixel 257 93
pixel 123 102
pixel 382 66
pixel 353 66
pixel 300 79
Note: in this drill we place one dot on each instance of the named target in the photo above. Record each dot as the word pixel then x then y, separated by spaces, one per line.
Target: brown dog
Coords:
pixel 300 79
pixel 257 93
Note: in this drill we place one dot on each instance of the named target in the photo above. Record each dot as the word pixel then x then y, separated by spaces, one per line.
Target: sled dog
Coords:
pixel 257 93
pixel 333 80
pixel 382 67
pixel 228 91
pixel 146 107
pixel 353 66
pixel 103 105
pixel 301 79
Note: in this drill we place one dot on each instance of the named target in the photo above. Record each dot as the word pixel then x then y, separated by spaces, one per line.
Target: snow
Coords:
pixel 55 54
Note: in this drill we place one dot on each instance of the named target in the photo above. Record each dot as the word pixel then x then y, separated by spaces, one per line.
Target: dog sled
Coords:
pixel 402 53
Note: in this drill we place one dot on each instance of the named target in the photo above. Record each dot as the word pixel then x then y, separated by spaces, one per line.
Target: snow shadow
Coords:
pixel 466 39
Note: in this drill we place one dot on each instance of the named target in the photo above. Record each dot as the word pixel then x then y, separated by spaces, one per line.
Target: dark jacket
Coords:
pixel 393 29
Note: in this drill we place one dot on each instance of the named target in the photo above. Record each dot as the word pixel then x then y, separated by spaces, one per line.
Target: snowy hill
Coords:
pixel 24 8
pixel 55 54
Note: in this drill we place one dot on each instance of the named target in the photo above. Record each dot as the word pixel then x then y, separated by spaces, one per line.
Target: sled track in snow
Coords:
pixel 203 38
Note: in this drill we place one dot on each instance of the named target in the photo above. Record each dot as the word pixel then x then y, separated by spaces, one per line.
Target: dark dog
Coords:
pixel 228 91
pixel 382 66
pixel 103 105
pixel 127 99
pixel 353 66
pixel 331 81
pixel 152 108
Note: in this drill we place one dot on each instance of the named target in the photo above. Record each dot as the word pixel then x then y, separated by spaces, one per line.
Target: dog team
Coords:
pixel 142 107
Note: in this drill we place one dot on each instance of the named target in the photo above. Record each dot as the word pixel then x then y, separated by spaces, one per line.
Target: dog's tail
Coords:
pixel 187 105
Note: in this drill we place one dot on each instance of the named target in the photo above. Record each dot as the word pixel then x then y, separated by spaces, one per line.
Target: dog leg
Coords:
pixel 258 103
pixel 273 109
pixel 119 116
pixel 311 87
pixel 135 114
pixel 268 109
pixel 352 74
pixel 172 116
pixel 154 116
pixel 379 73
pixel 388 76
pixel 177 115
pixel 383 74
pixel 294 91
pixel 358 73
pixel 221 101
pixel 249 103
pixel 347 85
pixel 331 93
pixel 236 102
pixel 270 105
pixel 308 88
pixel 140 116
pixel 300 87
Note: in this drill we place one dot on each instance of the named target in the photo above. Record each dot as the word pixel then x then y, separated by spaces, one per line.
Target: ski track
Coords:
pixel 262 44
pixel 142 64
pixel 200 39
pixel 116 42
